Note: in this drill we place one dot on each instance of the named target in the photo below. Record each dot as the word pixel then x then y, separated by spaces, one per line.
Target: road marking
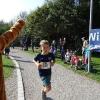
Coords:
pixel 19 80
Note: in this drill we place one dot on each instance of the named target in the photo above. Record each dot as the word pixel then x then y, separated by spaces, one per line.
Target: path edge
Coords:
pixel 20 84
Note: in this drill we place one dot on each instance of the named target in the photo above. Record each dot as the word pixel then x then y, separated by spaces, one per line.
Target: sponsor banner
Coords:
pixel 94 39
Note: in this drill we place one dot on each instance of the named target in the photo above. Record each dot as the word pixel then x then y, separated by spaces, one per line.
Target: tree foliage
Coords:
pixel 3 27
pixel 61 18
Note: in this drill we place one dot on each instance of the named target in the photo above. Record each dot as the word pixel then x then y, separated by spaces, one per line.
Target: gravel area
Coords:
pixel 11 86
pixel 66 85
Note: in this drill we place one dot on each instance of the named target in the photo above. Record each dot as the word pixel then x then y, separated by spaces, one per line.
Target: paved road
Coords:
pixel 11 86
pixel 66 85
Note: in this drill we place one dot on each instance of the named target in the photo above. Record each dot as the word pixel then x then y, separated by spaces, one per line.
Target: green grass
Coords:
pixel 8 67
pixel 31 53
pixel 95 74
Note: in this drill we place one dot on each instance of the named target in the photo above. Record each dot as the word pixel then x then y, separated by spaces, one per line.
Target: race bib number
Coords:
pixel 46 65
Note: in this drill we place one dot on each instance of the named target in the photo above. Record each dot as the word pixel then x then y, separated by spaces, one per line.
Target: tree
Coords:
pixel 57 18
pixel 3 27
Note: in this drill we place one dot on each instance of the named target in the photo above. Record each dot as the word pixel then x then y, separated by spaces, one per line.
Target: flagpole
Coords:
pixel 90 27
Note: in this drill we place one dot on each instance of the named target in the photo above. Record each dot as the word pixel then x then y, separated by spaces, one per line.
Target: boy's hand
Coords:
pixel 51 63
pixel 39 65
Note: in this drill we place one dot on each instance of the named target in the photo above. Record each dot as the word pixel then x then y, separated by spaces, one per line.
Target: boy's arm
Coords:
pixel 37 64
pixel 52 62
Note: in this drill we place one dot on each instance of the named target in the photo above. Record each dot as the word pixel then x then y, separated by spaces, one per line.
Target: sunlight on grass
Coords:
pixel 95 74
pixel 8 67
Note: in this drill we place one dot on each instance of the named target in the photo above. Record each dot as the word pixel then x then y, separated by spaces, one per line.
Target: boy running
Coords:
pixel 44 61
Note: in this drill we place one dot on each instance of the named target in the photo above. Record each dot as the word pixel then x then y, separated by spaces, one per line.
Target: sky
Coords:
pixel 9 9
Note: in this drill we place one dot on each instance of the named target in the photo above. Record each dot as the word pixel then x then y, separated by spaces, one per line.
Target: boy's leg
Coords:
pixel 46 89
pixel 46 83
pixel 43 94
pixel 46 86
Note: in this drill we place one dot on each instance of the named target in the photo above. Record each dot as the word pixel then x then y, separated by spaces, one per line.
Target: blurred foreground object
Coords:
pixel 5 39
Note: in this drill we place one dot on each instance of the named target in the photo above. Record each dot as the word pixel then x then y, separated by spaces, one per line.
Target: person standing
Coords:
pixel 7 50
pixel 84 46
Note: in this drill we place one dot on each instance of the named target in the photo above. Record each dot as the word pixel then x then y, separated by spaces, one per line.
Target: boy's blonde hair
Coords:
pixel 44 42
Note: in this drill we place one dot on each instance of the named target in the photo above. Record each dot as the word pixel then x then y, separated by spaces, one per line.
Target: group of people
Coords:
pixel 72 58
pixel 46 59
pixel 75 60
pixel 69 56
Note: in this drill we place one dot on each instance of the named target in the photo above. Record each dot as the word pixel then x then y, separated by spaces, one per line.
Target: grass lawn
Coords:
pixel 95 74
pixel 8 66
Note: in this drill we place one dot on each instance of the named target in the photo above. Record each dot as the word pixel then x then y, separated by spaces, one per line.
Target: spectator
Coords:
pixel 75 60
pixel 84 46
pixel 7 50
pixel 53 50
pixel 62 53
pixel 67 56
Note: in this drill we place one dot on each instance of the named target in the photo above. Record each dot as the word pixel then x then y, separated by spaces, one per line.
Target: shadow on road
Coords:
pixel 24 61
pixel 48 98
pixel 12 67
pixel 15 56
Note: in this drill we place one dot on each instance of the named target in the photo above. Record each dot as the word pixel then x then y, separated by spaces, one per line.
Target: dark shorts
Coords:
pixel 46 80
